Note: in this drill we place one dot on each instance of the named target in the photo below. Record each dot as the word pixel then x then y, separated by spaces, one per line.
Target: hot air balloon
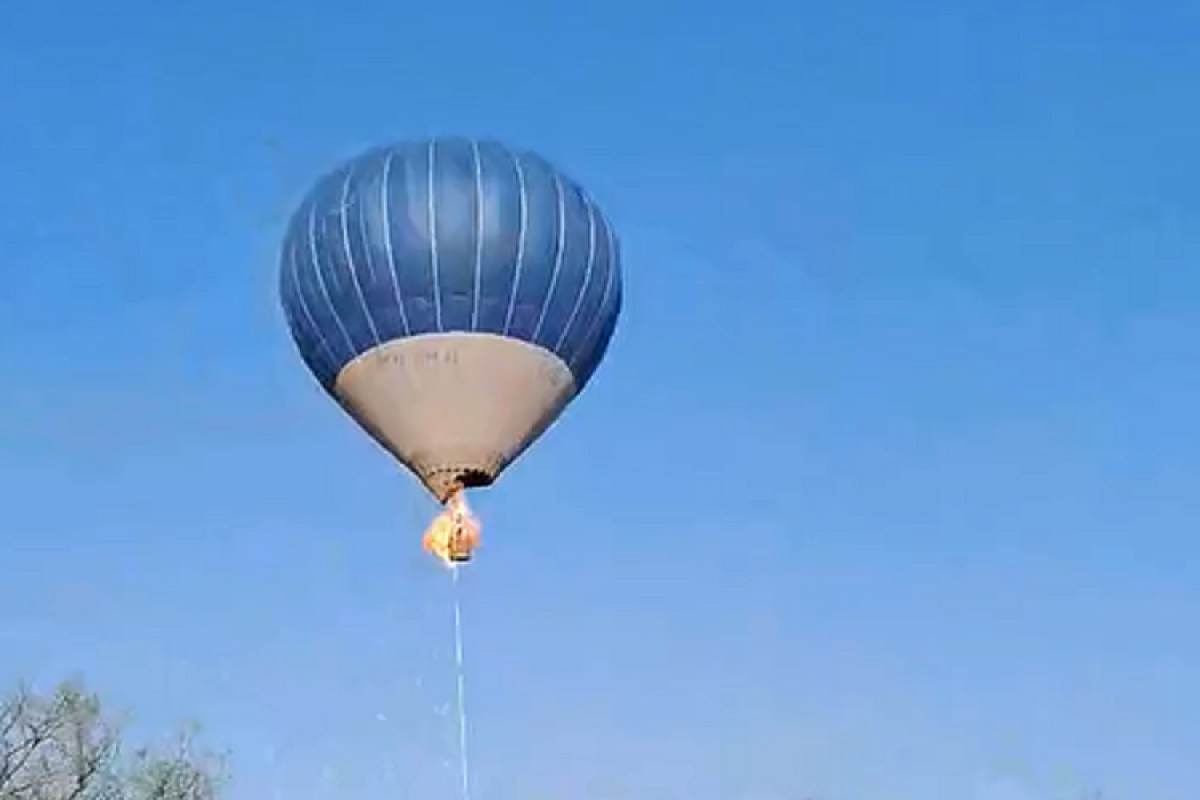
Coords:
pixel 453 296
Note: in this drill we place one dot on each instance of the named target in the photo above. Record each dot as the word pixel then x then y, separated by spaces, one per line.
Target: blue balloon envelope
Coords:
pixel 453 295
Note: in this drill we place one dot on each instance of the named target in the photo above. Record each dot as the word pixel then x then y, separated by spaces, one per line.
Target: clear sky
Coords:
pixel 888 489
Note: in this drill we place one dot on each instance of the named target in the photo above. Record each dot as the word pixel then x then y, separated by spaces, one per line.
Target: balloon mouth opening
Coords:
pixel 474 479
pixel 446 482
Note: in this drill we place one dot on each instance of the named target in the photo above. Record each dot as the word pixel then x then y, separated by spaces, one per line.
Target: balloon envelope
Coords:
pixel 454 296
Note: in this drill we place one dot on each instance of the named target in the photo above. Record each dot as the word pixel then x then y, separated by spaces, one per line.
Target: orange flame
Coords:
pixel 454 534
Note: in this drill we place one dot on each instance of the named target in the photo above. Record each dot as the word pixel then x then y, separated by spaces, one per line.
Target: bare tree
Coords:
pixel 63 746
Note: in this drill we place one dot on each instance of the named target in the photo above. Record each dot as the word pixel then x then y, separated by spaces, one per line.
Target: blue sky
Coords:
pixel 887 489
